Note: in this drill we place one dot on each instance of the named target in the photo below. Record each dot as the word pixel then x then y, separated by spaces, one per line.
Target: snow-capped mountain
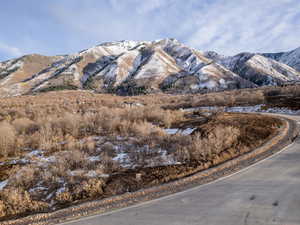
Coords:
pixel 133 67
pixel 291 58
pixel 125 67
pixel 261 69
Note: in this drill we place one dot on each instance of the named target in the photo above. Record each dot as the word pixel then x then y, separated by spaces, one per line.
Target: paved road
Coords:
pixel 266 193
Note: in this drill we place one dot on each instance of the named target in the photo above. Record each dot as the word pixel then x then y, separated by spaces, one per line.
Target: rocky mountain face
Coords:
pixel 261 69
pixel 130 67
pixel 291 58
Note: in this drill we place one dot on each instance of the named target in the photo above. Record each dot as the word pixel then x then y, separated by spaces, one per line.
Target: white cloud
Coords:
pixel 226 26
pixel 10 50
pixel 234 26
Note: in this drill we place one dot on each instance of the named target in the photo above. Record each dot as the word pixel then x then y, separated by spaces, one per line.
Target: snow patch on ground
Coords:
pixel 3 184
pixel 186 131
pixel 35 153
pixel 171 130
pixel 247 109
pixel 94 158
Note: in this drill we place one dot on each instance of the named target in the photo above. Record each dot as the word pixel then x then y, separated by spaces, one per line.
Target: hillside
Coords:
pixel 257 68
pixel 138 67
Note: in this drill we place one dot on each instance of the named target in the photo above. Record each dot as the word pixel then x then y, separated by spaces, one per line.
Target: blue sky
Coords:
pixel 52 27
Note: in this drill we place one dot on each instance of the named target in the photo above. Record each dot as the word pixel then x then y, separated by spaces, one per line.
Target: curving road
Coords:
pixel 265 193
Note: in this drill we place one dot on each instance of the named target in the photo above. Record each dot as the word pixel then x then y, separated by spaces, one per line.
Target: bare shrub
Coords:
pixel 211 144
pixel 144 129
pixel 17 201
pixel 25 126
pixel 7 139
pixel 70 123
pixel 70 160
pixel 90 188
pixel 25 177
pixel 82 133
pixel 63 196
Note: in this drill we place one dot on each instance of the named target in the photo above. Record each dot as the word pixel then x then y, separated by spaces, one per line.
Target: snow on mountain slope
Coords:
pixel 13 72
pixel 132 67
pixel 264 71
pixel 202 72
pixel 257 68
pixel 291 58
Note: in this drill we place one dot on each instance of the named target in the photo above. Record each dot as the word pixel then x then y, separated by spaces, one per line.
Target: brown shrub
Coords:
pixel 25 126
pixel 7 139
pixel 25 177
pixel 93 187
pixel 63 196
pixel 70 160
pixel 17 201
pixel 144 129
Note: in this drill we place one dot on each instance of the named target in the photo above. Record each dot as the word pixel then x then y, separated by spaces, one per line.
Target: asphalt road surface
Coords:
pixel 265 193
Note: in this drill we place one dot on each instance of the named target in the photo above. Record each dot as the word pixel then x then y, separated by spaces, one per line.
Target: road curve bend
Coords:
pixel 265 193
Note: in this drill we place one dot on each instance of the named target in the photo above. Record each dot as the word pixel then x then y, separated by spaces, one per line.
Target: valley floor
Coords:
pixel 61 148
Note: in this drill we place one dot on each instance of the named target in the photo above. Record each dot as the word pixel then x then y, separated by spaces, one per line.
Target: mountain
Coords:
pixel 124 67
pixel 291 58
pixel 135 67
pixel 261 69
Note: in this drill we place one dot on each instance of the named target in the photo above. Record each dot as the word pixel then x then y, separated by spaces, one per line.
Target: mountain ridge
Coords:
pixel 136 67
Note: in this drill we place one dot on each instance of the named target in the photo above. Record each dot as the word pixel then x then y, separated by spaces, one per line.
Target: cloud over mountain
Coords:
pixel 227 26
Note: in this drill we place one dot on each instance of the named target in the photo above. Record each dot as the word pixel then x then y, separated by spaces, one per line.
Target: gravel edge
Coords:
pixel 287 135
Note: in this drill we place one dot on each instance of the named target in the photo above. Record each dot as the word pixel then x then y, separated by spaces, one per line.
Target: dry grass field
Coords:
pixel 61 148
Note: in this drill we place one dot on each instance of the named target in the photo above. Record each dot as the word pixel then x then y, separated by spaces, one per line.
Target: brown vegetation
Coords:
pixel 78 136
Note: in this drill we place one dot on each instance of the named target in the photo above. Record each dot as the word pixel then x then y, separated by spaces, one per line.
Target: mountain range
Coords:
pixel 137 67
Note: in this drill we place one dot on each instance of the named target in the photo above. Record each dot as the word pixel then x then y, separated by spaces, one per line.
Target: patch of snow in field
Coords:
pixel 120 138
pixel 171 130
pixel 76 172
pixel 39 188
pixel 255 108
pixel 123 159
pixel 283 111
pixel 60 190
pixel 246 109
pixel 50 196
pixel 104 175
pixel 258 108
pixel 49 159
pixel 92 173
pixel 163 159
pixel 167 159
pixel 35 153
pixel 3 184
pixel 94 158
pixel 202 108
pixel 186 131
pixel 18 161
